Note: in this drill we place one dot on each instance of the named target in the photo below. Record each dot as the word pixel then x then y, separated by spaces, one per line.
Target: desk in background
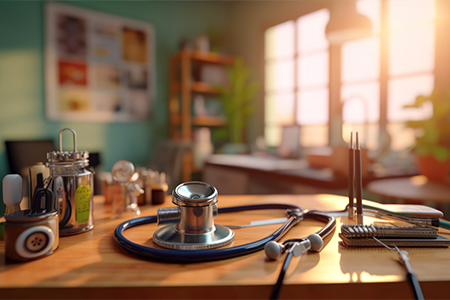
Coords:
pixel 245 174
pixel 91 266
pixel 413 190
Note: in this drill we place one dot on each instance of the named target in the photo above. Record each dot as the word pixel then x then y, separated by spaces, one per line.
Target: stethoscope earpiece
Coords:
pixel 313 243
pixel 316 242
pixel 274 250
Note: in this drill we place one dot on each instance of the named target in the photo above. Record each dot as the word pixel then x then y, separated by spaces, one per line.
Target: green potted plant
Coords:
pixel 432 143
pixel 236 96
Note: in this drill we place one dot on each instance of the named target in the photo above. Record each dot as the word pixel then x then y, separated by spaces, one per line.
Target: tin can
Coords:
pixel 73 187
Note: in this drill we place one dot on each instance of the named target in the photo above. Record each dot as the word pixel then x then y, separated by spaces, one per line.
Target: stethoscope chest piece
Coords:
pixel 192 221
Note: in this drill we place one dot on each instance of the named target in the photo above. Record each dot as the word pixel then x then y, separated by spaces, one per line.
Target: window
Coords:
pixel 408 37
pixel 296 78
pixel 379 74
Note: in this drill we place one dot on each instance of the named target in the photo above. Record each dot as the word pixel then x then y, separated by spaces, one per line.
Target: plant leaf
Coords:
pixel 422 150
pixel 441 153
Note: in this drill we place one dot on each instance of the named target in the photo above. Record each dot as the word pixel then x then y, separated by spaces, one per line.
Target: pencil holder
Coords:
pixel 30 236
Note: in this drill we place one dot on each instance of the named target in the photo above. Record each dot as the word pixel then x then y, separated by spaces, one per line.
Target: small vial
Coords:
pixel 159 188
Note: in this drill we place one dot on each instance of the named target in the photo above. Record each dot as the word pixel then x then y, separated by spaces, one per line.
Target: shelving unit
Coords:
pixel 182 88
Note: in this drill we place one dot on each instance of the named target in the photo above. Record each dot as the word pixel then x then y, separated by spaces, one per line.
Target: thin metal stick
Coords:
pixel 404 257
pixel 358 175
pixel 351 179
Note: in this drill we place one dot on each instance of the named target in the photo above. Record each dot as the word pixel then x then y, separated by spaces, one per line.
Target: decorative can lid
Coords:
pixel 66 156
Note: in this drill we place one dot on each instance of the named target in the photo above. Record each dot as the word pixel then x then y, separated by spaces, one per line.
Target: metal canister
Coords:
pixel 73 187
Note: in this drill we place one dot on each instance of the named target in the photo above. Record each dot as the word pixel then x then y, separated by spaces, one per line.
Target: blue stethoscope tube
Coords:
pixel 192 256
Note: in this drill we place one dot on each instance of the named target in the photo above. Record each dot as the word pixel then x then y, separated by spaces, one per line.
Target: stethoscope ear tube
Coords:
pixel 193 256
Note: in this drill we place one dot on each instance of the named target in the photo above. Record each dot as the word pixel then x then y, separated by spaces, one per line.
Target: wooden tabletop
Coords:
pixel 91 266
pixel 414 189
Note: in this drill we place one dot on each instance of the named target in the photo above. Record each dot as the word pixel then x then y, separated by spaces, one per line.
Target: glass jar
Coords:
pixel 73 187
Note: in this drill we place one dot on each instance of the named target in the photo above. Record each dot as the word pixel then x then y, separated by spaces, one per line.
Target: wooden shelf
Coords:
pixel 181 92
pixel 196 87
pixel 201 120
pixel 205 57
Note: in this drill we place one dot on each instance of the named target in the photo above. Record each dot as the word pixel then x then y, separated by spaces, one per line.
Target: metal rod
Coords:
pixel 358 178
pixel 351 179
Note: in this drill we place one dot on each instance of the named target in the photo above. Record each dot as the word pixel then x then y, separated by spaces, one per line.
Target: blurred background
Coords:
pixel 254 97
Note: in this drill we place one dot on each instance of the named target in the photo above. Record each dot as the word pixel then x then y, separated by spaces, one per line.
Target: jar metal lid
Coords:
pixel 67 156
pixel 58 156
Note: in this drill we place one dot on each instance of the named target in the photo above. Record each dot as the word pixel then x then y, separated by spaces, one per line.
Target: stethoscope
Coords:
pixel 295 213
pixel 192 232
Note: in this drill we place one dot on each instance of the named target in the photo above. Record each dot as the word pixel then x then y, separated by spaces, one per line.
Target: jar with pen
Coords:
pixel 31 233
pixel 73 186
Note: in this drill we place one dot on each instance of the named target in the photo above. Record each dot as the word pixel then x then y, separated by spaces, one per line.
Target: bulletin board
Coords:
pixel 98 67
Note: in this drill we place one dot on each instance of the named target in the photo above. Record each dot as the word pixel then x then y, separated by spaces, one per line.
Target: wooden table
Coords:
pixel 91 266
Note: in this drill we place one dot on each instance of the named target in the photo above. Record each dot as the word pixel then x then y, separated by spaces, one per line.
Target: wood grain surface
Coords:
pixel 91 266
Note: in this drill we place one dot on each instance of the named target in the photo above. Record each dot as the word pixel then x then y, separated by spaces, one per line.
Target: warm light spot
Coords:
pixel 410 13
pixel 418 180
pixel 311 31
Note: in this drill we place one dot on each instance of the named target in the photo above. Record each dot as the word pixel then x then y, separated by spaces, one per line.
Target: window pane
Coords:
pixel 361 103
pixel 272 135
pixel 314 136
pixel 372 10
pixel 279 41
pixel 313 107
pixel 403 137
pixel 404 91
pixel 406 13
pixel 311 31
pixel 313 70
pixel 279 109
pixel 360 60
pixel 412 51
pixel 280 77
pixel 368 134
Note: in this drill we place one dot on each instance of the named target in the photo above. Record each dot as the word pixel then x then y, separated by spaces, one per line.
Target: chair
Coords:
pixel 23 154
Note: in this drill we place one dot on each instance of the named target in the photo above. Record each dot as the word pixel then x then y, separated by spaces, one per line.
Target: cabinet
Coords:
pixel 183 87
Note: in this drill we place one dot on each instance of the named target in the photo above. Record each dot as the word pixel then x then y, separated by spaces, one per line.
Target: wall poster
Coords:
pixel 98 67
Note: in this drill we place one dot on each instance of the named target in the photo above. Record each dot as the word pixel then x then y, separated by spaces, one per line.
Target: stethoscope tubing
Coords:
pixel 193 256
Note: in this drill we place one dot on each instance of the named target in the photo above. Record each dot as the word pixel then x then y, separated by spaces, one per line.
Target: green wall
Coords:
pixel 22 95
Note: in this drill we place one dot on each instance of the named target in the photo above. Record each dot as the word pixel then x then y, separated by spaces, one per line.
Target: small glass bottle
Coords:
pixel 159 188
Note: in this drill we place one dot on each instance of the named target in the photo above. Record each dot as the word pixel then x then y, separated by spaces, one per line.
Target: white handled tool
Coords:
pixel 12 192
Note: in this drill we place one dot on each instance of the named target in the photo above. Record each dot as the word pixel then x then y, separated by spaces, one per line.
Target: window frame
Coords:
pixel 335 68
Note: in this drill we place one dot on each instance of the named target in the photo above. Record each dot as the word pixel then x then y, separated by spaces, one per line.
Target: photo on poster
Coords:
pixel 106 76
pixel 137 77
pixel 74 100
pixel 134 45
pixel 72 73
pixel 108 102
pixel 106 46
pixel 139 104
pixel 71 35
